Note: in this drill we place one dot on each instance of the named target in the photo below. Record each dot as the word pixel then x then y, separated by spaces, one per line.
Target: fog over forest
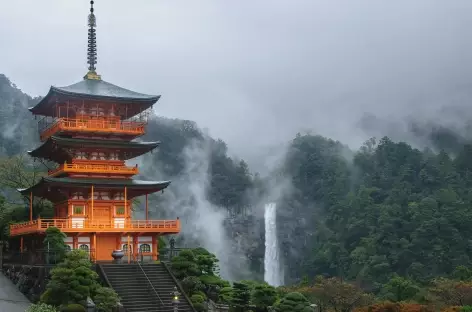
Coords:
pixel 256 73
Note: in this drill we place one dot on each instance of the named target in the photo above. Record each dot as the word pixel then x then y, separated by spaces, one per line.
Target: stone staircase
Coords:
pixel 133 283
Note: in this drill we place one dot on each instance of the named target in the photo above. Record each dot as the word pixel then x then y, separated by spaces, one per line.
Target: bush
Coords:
pixel 197 302
pixel 41 307
pixel 74 307
pixel 106 299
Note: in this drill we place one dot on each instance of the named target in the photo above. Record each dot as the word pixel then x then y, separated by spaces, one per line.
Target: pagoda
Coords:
pixel 88 130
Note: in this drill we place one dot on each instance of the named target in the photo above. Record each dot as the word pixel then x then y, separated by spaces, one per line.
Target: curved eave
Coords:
pixel 134 187
pixel 45 149
pixel 39 108
pixel 151 99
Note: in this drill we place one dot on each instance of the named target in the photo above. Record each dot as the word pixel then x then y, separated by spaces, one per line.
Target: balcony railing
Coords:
pixel 68 225
pixel 104 126
pixel 94 168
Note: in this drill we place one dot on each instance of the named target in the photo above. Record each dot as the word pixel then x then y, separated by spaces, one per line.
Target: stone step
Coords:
pixel 133 285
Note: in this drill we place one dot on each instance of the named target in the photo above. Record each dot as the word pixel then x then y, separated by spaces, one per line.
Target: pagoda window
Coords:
pixel 127 247
pixel 78 195
pixel 102 195
pixel 145 248
pixel 78 209
pixel 84 247
pixel 114 156
pixel 81 155
pixel 120 211
pixel 102 156
pixel 119 196
pixel 81 111
pixel 94 156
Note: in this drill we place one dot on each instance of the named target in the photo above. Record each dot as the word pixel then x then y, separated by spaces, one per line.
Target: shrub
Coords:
pixel 197 302
pixel 41 307
pixel 106 299
pixel 74 307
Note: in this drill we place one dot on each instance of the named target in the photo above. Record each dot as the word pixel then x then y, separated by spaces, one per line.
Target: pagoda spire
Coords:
pixel 92 46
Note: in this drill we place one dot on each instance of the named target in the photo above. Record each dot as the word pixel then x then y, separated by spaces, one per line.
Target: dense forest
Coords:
pixel 366 215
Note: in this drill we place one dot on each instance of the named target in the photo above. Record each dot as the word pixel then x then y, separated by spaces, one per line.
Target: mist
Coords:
pixel 256 73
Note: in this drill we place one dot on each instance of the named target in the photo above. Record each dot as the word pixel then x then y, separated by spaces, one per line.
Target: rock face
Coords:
pixel 11 299
pixel 28 280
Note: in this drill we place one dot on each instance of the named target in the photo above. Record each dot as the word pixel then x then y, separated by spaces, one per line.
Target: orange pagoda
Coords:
pixel 88 129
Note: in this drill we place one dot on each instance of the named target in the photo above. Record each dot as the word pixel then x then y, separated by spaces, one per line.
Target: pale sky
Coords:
pixel 254 72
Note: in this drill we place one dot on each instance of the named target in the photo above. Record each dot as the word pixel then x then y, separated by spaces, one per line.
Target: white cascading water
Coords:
pixel 272 274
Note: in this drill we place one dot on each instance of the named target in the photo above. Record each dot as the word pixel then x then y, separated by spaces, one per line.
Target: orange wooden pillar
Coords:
pixel 94 249
pixel 21 244
pixel 147 212
pixel 91 208
pixel 129 249
pixel 75 242
pixel 118 242
pixel 31 207
pixel 135 248
pixel 155 248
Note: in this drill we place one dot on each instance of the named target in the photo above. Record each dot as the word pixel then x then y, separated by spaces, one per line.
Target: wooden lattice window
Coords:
pixel 84 247
pixel 126 247
pixel 120 210
pixel 78 210
pixel 145 248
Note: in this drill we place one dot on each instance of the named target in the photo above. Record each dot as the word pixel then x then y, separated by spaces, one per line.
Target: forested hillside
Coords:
pixel 389 209
pixel 362 214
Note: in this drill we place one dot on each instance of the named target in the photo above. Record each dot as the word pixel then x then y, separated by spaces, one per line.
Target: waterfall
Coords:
pixel 272 273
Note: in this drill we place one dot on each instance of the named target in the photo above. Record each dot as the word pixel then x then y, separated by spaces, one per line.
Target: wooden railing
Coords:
pixel 132 128
pixel 68 225
pixel 93 168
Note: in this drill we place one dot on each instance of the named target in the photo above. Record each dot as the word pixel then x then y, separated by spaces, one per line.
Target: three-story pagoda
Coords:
pixel 88 129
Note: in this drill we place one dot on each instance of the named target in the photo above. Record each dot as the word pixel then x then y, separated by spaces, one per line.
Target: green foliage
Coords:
pixel 462 273
pixel 226 295
pixel 41 307
pixel 105 299
pixel 198 302
pixel 293 302
pixel 185 264
pixel 191 285
pixel 206 261
pixel 399 289
pixel 241 297
pixel 392 209
pixel 263 296
pixel 54 241
pixel 73 307
pixel 73 280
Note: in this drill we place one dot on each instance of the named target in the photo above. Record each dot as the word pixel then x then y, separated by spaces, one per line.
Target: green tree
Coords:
pixel 73 280
pixel 263 296
pixel 293 302
pixel 54 244
pixel 399 289
pixel 185 264
pixel 241 297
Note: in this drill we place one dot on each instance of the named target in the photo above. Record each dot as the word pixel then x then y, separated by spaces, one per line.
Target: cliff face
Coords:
pixel 17 125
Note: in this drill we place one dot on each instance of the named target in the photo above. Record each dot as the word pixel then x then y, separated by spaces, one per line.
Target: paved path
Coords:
pixel 11 299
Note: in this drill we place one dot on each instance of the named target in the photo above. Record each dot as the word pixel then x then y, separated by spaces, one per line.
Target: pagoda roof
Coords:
pixel 56 148
pixel 49 187
pixel 94 89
